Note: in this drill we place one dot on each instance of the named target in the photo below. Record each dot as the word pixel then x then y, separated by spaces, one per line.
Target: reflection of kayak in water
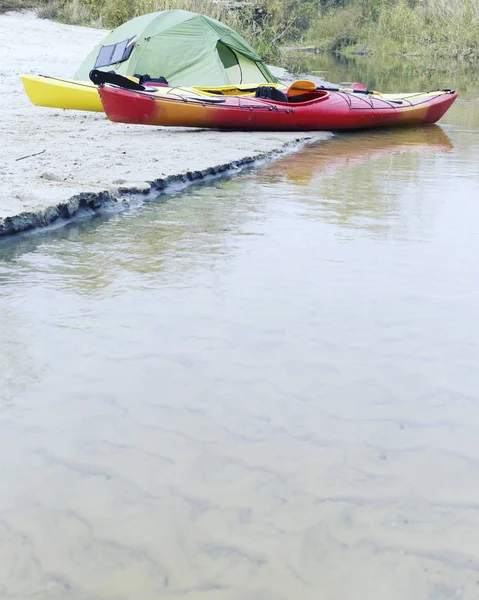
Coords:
pixel 353 149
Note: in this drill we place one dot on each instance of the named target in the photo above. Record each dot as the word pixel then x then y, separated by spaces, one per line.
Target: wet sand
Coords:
pixel 78 159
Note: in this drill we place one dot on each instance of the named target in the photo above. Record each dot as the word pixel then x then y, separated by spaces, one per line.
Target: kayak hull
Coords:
pixel 70 94
pixel 319 110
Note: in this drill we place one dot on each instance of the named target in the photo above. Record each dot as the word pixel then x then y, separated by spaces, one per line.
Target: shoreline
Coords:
pixel 54 162
pixel 96 201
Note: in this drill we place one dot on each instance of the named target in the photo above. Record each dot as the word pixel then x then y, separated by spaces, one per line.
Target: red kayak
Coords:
pixel 310 109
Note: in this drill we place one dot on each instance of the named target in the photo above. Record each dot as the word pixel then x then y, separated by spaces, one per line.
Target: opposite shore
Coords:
pixel 54 163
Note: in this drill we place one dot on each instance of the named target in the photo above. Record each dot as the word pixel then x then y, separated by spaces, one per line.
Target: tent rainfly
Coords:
pixel 184 47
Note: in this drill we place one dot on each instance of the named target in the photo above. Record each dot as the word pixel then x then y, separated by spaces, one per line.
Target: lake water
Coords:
pixel 264 388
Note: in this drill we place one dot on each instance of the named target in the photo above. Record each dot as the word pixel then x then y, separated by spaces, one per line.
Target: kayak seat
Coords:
pixel 267 92
pixel 147 80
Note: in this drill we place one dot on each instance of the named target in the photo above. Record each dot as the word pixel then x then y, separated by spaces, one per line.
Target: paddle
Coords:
pixel 102 77
pixel 303 85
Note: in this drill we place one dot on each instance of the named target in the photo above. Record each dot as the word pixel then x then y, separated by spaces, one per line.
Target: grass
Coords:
pixel 6 5
pixel 427 29
pixel 264 27
pixel 423 28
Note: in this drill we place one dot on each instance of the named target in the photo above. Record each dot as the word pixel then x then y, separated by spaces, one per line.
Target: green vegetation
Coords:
pixel 426 29
pixel 6 5
pixel 265 25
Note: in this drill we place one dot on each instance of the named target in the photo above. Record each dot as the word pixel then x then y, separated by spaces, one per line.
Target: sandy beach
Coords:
pixel 76 159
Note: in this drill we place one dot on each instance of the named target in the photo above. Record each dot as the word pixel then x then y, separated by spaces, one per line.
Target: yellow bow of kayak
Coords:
pixel 55 92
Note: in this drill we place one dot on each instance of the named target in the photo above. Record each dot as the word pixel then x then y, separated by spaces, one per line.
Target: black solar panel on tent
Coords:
pixel 109 55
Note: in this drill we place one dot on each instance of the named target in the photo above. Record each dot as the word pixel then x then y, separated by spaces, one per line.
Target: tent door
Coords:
pixel 239 68
pixel 230 63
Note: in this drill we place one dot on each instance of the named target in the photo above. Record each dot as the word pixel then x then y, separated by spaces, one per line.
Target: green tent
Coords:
pixel 187 48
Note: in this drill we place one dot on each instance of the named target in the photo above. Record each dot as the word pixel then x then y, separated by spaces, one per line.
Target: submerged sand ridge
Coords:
pixel 53 162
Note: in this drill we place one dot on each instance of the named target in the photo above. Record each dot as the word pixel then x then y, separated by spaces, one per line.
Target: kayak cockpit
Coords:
pixel 308 96
pixel 290 96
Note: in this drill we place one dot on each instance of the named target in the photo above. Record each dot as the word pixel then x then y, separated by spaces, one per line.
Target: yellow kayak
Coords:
pixel 54 92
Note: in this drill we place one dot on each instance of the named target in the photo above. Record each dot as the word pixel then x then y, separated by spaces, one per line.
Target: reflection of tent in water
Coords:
pixel 187 48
